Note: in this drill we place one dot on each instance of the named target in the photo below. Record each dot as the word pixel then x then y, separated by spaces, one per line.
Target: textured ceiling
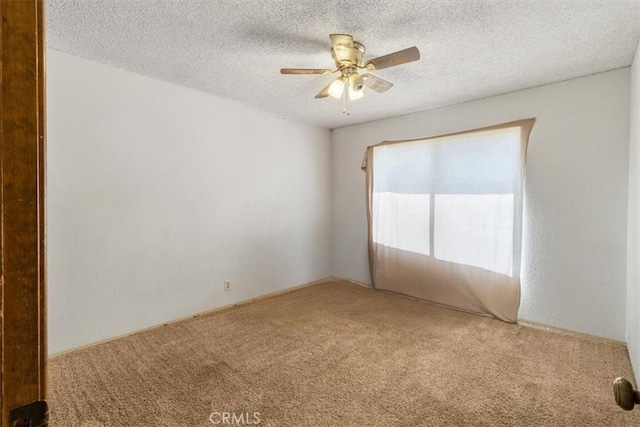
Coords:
pixel 232 48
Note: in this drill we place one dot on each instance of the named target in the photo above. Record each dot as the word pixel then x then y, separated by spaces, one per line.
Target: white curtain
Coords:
pixel 445 217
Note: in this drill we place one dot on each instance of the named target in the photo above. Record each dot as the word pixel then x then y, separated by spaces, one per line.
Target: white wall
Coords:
pixel 633 256
pixel 574 260
pixel 158 193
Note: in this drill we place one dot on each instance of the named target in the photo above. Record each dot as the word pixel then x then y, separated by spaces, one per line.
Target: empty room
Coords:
pixel 335 213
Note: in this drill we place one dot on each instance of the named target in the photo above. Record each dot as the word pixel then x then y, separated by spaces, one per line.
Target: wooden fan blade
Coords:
pixel 391 60
pixel 376 83
pixel 324 92
pixel 305 71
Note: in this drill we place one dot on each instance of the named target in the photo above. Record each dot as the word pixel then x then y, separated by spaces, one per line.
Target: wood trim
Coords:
pixel 22 212
pixel 42 186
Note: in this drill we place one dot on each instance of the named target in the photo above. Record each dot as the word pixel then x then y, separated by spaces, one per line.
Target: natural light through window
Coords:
pixel 450 198
pixel 444 217
pixel 475 229
pixel 410 232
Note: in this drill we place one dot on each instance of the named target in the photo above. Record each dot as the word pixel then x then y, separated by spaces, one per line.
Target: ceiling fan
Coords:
pixel 348 56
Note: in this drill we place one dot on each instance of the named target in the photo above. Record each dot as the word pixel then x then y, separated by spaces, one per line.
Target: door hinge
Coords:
pixel 35 414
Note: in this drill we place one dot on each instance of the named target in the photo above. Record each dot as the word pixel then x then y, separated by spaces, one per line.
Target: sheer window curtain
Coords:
pixel 445 217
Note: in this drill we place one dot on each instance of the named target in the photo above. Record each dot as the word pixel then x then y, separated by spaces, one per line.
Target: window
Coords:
pixel 446 212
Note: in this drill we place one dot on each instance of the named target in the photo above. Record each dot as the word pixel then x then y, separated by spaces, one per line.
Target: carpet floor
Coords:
pixel 338 354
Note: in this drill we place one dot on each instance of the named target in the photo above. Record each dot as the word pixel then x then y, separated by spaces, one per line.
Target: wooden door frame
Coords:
pixel 23 350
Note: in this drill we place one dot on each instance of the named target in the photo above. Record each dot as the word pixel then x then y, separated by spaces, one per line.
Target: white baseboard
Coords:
pixel 522 322
pixel 554 329
pixel 200 314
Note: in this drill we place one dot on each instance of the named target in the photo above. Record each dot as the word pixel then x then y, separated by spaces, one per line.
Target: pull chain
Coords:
pixel 344 101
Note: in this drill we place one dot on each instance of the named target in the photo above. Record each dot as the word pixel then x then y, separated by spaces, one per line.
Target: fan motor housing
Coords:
pixel 348 56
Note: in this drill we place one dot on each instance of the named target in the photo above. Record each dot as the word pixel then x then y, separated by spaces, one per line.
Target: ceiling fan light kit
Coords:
pixel 336 88
pixel 348 57
pixel 353 85
pixel 356 86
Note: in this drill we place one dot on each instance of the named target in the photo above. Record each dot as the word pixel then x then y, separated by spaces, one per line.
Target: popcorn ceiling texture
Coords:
pixel 234 49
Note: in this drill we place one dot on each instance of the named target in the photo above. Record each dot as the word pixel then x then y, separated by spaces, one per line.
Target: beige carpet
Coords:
pixel 337 354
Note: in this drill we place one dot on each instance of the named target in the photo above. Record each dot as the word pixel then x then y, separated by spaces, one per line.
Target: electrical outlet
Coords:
pixel 227 285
